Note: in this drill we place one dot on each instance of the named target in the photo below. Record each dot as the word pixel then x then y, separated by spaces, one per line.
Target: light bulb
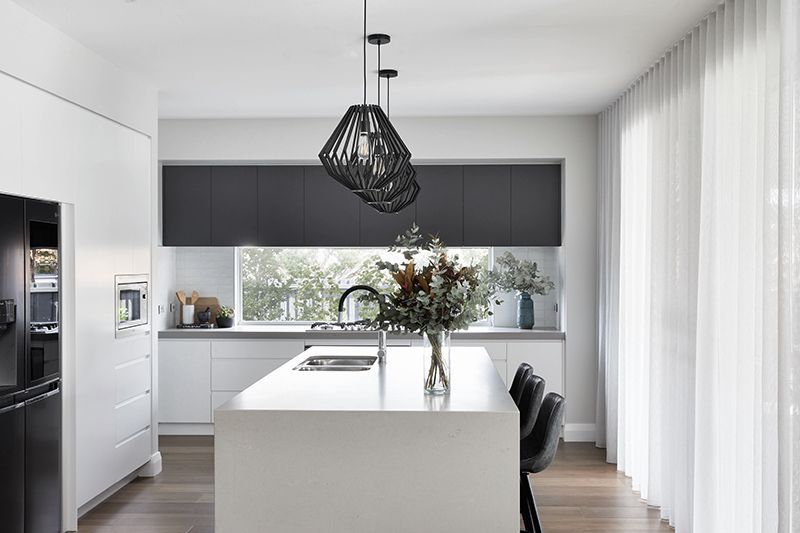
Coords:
pixel 378 167
pixel 363 146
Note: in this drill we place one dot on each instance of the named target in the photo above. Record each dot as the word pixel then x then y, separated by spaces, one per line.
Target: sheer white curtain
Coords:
pixel 699 393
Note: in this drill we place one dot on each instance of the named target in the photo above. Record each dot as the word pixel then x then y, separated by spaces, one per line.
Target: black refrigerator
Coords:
pixel 30 367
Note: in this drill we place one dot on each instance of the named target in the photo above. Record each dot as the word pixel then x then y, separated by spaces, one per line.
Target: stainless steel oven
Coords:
pixel 132 309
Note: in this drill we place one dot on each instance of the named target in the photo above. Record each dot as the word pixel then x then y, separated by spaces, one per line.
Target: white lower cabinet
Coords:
pixel 196 377
pixel 184 381
pixel 546 358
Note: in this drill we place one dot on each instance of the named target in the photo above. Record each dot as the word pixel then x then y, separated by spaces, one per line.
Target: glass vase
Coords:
pixel 436 362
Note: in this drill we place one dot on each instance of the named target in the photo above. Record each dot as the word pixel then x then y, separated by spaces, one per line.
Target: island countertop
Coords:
pixel 394 385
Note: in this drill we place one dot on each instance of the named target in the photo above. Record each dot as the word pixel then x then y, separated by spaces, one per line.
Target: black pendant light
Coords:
pixel 364 152
pixel 403 190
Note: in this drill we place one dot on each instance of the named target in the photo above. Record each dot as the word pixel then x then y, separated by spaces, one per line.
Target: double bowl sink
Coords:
pixel 336 363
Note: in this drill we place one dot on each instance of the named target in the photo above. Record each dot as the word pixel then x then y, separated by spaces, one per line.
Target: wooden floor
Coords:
pixel 579 492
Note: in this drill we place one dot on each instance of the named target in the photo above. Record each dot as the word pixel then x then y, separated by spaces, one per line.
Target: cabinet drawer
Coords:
pixel 263 349
pixel 237 374
pixel 181 347
pixel 132 379
pixel 132 417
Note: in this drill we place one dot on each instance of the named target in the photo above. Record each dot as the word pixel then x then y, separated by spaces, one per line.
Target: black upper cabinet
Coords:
pixel 466 205
pixel 331 211
pixel 536 205
pixel 440 206
pixel 381 229
pixel 280 206
pixel 186 205
pixel 234 206
pixel 487 205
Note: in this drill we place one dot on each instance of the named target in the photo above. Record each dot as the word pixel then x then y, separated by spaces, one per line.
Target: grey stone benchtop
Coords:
pixel 477 333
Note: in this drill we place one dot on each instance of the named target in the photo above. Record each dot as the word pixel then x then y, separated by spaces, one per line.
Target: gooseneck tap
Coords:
pixel 343 317
pixel 348 292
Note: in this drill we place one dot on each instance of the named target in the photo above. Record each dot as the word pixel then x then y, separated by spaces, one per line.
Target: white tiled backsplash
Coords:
pixel 211 271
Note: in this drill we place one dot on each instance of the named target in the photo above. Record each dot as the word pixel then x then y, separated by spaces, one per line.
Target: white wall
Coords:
pixel 77 130
pixel 573 139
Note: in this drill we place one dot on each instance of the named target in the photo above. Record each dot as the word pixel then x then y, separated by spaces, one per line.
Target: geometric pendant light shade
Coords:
pixel 403 190
pixel 406 190
pixel 364 152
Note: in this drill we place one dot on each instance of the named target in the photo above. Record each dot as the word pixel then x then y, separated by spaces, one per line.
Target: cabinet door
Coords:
pixel 234 206
pixel 381 229
pixel 237 374
pixel 331 211
pixel 536 205
pixel 280 206
pixel 546 358
pixel 186 205
pixel 487 205
pixel 184 381
pixel 440 207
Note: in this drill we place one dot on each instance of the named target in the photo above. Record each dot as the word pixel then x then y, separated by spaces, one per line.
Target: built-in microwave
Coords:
pixel 131 311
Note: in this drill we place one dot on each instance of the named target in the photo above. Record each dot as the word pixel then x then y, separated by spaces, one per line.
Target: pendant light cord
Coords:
pixel 365 52
pixel 388 93
pixel 379 74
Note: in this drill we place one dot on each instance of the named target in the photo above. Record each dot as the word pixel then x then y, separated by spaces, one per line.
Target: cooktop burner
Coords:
pixel 360 325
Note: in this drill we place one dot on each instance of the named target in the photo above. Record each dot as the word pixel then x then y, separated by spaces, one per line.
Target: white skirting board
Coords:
pixel 185 429
pixel 103 496
pixel 152 468
pixel 579 433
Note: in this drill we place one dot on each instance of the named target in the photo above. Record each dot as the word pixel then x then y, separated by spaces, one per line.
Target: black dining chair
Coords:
pixel 523 371
pixel 529 404
pixel 537 452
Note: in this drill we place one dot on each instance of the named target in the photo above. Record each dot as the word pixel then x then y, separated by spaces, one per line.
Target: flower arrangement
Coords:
pixel 434 294
pixel 520 276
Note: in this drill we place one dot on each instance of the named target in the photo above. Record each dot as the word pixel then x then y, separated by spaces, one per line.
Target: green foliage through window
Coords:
pixel 304 284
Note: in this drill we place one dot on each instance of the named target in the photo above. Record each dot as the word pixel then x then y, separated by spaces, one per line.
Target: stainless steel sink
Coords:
pixel 336 363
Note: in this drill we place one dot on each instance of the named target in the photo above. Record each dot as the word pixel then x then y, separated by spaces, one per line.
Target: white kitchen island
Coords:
pixel 368 451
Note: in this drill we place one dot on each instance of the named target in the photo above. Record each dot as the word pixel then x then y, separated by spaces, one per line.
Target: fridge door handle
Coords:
pixel 42 397
pixel 10 408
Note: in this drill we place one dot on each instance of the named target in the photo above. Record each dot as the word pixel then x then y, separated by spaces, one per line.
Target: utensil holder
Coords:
pixel 187 315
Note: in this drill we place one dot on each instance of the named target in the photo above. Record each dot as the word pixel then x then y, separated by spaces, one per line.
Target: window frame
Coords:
pixel 238 296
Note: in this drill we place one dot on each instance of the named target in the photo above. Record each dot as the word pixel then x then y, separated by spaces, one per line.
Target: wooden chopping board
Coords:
pixel 207 301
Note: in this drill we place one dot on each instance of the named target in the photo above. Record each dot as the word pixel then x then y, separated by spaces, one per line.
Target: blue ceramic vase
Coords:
pixel 525 311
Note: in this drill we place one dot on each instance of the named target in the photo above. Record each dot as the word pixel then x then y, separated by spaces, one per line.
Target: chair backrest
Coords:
pixel 543 441
pixel 523 371
pixel 530 402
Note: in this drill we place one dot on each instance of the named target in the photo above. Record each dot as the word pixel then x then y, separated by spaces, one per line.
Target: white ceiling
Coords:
pixel 302 58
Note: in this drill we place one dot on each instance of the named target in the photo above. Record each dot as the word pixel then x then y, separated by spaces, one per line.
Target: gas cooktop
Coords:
pixel 359 325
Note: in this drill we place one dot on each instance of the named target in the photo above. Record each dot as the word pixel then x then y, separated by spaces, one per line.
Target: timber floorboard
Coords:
pixel 579 492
